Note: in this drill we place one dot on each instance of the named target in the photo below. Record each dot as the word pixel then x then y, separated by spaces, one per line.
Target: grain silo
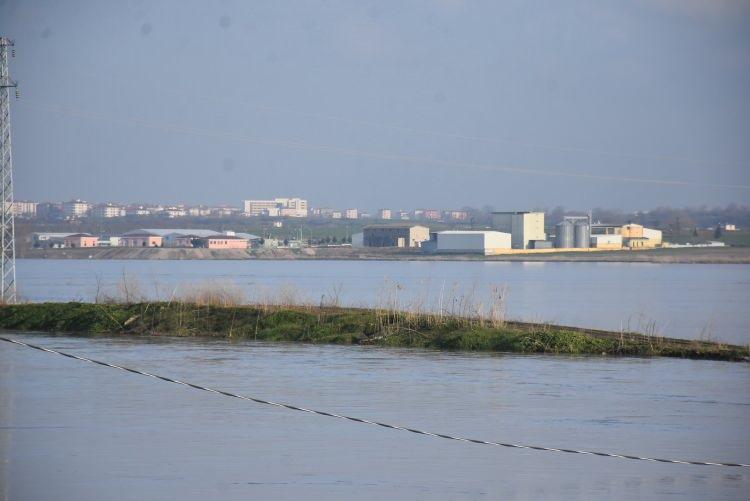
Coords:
pixel 582 235
pixel 564 235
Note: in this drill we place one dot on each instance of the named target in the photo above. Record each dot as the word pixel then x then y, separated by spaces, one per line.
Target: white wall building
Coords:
pixel 351 214
pixel 75 208
pixel 288 207
pixel 107 211
pixel 473 242
pixel 524 226
pixel 653 235
pixel 604 241
pixel 24 209
pixel 384 213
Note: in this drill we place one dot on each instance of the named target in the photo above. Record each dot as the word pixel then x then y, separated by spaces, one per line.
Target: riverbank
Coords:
pixel 704 255
pixel 349 326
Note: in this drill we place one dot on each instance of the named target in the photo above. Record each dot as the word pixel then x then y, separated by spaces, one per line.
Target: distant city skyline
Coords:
pixel 372 104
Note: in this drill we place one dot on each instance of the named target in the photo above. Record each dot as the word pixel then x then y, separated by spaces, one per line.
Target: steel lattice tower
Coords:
pixel 8 241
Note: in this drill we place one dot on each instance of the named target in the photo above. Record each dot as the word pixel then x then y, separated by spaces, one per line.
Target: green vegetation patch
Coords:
pixel 347 326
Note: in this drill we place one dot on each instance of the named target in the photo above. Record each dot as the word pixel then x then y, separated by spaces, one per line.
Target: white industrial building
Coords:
pixel 286 207
pixel 525 227
pixel 473 242
pixel 75 208
pixel 107 211
pixel 602 241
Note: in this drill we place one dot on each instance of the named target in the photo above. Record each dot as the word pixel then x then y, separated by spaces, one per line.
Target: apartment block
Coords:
pixel 75 209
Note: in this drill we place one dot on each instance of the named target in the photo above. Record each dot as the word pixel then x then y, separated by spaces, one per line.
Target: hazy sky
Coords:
pixel 514 104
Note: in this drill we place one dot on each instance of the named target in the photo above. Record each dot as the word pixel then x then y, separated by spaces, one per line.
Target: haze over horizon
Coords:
pixel 383 104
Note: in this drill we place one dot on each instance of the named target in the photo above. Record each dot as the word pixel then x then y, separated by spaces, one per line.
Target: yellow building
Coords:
pixel 631 230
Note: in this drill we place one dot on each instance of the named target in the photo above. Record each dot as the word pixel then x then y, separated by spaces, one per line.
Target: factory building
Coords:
pixel 402 235
pixel 195 237
pixel 473 242
pixel 49 240
pixel 81 240
pixel 523 226
pixel 141 238
pixel 222 242
pixel 604 241
pixel 632 236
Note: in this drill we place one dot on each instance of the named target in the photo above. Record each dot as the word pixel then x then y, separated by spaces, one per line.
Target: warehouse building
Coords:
pixel 196 237
pixel 402 235
pixel 141 238
pixel 604 241
pixel 524 226
pixel 81 240
pixel 473 242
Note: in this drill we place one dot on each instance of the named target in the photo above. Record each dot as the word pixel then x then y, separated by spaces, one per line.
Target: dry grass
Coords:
pixel 211 293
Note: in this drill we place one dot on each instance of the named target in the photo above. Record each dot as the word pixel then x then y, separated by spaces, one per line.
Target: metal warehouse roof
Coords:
pixel 195 232
pixel 469 232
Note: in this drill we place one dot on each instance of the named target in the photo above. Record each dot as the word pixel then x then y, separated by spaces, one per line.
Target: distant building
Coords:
pixel 351 214
pixel 49 240
pixel 654 236
pixel 427 214
pixel 523 226
pixel 81 240
pixel 75 209
pixel 223 242
pixel 729 227
pixel 141 238
pixel 286 207
pixel 606 241
pixel 137 211
pixel 636 236
pixel 473 242
pixel 173 212
pixel 456 215
pixel 199 211
pixel 384 214
pixel 336 214
pixel 109 241
pixel 325 212
pixel 402 235
pixel 24 209
pixel 224 211
pixel 108 210
pixel 631 230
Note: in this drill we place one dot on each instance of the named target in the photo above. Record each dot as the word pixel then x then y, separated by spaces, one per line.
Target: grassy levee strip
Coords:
pixel 348 326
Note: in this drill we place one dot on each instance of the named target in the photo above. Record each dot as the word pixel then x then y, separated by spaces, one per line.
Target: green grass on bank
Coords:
pixel 347 326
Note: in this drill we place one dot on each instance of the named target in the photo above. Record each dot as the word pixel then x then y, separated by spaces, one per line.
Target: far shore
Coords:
pixel 701 255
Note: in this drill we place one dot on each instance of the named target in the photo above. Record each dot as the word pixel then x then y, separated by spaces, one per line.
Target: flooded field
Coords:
pixel 92 432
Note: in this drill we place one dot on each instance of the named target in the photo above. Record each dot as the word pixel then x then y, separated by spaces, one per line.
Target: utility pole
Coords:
pixel 8 239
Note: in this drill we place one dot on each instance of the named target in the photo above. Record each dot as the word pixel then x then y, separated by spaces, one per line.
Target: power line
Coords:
pixel 337 150
pixel 367 421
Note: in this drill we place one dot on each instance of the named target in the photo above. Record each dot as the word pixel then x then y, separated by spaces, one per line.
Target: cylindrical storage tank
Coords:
pixel 564 238
pixel 582 235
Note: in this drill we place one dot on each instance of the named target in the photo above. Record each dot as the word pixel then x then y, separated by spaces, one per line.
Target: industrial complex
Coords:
pixel 513 232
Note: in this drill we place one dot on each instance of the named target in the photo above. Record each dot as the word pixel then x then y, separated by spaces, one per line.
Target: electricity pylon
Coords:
pixel 8 240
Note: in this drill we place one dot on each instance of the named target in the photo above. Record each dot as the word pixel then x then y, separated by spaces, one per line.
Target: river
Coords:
pixel 694 301
pixel 71 430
